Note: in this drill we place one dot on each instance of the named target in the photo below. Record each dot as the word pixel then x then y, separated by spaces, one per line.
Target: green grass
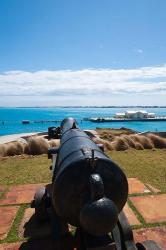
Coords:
pixel 24 169
pixel 149 166
pixel 13 233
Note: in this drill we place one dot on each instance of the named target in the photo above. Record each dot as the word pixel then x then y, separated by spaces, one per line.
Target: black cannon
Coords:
pixel 53 132
pixel 88 191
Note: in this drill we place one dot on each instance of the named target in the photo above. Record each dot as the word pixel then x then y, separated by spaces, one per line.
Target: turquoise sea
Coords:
pixel 10 119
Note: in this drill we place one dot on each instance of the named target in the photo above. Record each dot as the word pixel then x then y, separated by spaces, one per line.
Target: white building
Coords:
pixel 135 114
pixel 119 115
pixel 151 115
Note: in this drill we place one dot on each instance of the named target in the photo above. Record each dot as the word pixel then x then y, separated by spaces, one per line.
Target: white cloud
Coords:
pixel 139 51
pixel 86 82
pixel 82 81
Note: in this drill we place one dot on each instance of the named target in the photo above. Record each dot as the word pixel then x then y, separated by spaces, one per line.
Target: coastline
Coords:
pixel 16 137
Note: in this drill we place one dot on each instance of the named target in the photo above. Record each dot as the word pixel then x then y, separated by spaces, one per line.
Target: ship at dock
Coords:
pixel 129 116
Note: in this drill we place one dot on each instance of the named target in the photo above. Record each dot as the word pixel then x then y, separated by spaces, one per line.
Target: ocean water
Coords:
pixel 12 117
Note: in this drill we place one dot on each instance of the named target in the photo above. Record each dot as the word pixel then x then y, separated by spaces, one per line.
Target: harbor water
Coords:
pixel 42 118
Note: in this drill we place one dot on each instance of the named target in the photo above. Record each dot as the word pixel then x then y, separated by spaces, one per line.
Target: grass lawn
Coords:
pixel 147 165
pixel 24 169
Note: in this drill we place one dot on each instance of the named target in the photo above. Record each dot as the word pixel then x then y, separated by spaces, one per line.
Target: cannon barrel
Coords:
pixel 88 188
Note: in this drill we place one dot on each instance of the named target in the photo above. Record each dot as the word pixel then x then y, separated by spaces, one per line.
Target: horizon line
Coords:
pixel 89 106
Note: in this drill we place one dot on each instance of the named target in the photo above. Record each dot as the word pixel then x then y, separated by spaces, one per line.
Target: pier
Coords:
pixel 111 119
pixel 39 121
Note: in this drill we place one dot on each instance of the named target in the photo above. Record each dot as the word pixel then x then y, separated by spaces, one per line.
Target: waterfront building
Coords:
pixel 135 114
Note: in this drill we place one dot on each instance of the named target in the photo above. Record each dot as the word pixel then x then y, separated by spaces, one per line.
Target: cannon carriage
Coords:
pixel 88 191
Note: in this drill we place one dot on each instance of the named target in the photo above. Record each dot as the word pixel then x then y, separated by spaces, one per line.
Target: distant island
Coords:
pixel 87 107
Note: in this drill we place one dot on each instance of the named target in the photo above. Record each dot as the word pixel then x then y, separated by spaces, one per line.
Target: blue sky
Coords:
pixel 98 52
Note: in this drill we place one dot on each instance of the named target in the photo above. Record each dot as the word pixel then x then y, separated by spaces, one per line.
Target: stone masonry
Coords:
pixel 146 208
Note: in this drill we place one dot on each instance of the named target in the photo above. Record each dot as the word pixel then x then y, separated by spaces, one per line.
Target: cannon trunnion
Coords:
pixel 88 191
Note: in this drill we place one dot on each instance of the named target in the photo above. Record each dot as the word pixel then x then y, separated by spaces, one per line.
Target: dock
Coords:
pixel 111 119
pixel 39 121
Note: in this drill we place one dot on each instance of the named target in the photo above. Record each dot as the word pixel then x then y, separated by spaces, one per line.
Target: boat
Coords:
pixel 25 121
